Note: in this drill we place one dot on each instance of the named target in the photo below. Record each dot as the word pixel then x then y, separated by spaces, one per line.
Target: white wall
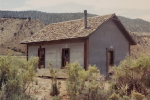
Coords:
pixel 53 54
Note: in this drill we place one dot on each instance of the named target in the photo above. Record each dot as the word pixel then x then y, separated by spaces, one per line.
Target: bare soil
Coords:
pixel 42 89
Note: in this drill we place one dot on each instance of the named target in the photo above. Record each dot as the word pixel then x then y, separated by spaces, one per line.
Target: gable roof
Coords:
pixel 69 30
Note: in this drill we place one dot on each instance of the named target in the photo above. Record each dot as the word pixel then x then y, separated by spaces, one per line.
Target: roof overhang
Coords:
pixel 62 41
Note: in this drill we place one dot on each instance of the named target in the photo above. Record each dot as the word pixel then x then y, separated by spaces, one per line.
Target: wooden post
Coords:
pixel 129 49
pixel 86 48
pixel 27 52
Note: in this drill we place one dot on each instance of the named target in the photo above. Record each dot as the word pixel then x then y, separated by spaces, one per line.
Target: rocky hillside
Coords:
pixel 136 25
pixel 143 45
pixel 13 31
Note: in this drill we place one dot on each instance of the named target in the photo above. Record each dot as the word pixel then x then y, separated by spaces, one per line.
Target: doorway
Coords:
pixel 41 55
pixel 110 59
pixel 65 56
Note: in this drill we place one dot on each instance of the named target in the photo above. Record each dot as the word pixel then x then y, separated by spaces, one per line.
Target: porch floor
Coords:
pixel 45 72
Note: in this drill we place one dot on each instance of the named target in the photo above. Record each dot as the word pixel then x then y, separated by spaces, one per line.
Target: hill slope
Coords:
pixel 13 31
pixel 135 25
pixel 46 18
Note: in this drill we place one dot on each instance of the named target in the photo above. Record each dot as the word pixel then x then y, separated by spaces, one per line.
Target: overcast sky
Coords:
pixel 127 8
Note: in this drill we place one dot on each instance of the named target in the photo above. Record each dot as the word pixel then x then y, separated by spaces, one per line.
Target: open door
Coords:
pixel 65 57
pixel 41 55
pixel 110 60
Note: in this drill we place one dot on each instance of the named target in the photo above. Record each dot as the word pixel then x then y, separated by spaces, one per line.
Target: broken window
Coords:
pixel 41 55
pixel 65 56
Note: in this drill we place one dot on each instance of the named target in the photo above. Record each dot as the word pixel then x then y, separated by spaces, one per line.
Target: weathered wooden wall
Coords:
pixel 105 37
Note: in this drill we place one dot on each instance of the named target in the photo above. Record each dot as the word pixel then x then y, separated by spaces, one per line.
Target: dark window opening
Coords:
pixel 65 56
pixel 110 61
pixel 111 58
pixel 41 55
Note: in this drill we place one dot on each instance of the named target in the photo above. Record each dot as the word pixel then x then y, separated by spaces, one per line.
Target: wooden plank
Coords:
pixel 86 45
pixel 61 58
pixel 27 52
pixel 129 49
pixel 44 57
pixel 87 53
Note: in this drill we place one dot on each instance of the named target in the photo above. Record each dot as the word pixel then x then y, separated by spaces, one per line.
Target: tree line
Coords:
pixel 46 18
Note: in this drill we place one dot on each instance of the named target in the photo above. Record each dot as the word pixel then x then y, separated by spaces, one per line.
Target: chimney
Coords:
pixel 85 18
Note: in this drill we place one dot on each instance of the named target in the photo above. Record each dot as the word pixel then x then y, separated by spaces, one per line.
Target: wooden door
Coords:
pixel 110 60
pixel 41 54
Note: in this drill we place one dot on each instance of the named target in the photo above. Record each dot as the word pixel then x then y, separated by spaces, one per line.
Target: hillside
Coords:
pixel 23 24
pixel 135 25
pixel 13 31
pixel 46 18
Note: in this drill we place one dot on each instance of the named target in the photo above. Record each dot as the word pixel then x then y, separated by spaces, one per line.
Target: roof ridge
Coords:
pixel 49 32
pixel 80 19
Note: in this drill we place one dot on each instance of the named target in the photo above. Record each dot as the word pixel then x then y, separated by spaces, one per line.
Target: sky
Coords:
pixel 127 8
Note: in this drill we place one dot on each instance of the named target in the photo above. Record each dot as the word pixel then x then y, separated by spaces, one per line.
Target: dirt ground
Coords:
pixel 42 89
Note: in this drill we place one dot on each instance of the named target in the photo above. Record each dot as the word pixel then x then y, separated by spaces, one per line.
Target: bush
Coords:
pixel 14 77
pixel 83 84
pixel 133 73
pixel 137 96
pixel 55 86
pixel 56 98
pixel 114 96
pixel 2 92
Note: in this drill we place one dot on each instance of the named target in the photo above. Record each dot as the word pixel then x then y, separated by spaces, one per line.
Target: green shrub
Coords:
pixel 16 78
pixel 2 92
pixel 83 84
pixel 114 96
pixel 56 98
pixel 134 73
pixel 55 86
pixel 126 98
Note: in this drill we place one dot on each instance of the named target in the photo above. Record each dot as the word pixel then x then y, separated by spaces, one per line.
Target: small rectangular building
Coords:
pixel 102 41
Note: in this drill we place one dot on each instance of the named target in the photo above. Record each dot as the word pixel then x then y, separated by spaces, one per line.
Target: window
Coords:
pixel 41 55
pixel 110 58
pixel 65 57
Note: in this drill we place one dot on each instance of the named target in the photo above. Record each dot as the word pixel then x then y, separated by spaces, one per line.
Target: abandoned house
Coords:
pixel 102 41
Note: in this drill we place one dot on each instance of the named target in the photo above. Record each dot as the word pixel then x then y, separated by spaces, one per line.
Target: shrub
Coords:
pixel 2 92
pixel 56 98
pixel 114 96
pixel 137 96
pixel 55 86
pixel 83 84
pixel 134 73
pixel 14 77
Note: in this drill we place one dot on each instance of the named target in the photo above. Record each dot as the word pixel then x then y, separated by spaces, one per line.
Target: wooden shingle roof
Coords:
pixel 68 30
